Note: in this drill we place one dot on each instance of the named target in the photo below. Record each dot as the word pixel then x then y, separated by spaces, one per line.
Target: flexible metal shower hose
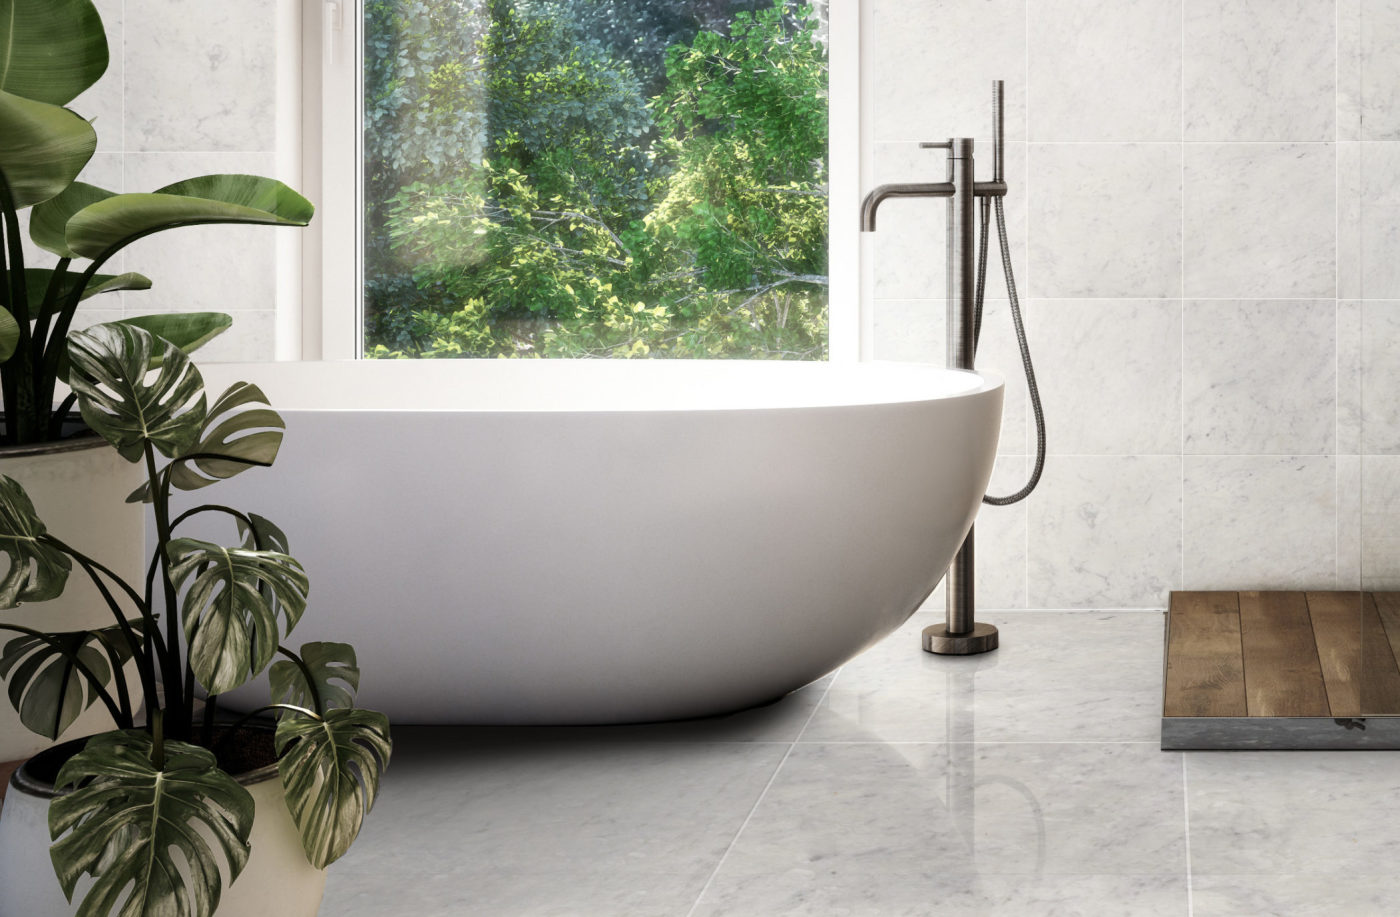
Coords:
pixel 1020 340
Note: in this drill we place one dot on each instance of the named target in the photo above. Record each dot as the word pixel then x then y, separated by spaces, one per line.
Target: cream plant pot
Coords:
pixel 277 882
pixel 79 488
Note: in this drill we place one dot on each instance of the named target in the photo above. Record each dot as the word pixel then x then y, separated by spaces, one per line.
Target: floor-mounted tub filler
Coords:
pixel 607 542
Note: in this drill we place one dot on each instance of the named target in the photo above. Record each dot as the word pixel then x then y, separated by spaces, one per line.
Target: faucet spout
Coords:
pixel 875 198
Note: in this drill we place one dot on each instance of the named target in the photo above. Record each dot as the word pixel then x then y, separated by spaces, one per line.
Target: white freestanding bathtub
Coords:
pixel 560 542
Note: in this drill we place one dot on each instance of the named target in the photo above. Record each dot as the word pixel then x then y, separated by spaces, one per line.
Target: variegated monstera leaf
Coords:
pixel 152 834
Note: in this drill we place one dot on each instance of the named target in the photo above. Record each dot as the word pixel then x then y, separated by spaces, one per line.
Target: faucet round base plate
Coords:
pixel 981 639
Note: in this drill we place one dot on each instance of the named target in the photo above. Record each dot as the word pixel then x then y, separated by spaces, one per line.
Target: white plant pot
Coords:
pixel 79 490
pixel 277 882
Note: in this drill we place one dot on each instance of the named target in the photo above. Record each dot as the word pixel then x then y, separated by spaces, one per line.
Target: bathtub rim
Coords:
pixel 346 386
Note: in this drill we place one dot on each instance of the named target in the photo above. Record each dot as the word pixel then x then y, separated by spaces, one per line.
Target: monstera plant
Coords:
pixel 152 795
pixel 50 52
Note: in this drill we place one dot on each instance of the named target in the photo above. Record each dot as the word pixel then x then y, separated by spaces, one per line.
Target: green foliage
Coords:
pixel 599 223
pixel 50 51
pixel 210 614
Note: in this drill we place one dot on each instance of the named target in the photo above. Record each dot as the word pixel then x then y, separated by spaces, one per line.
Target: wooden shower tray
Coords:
pixel 1282 670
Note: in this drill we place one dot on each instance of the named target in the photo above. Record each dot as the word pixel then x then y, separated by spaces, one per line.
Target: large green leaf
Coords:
pixel 9 334
pixel 240 429
pixel 125 401
pixel 48 223
pixel 37 280
pixel 328 664
pixel 107 225
pixel 50 50
pixel 262 535
pixel 42 148
pixel 232 600
pixel 38 571
pixel 45 685
pixel 330 771
pixel 134 828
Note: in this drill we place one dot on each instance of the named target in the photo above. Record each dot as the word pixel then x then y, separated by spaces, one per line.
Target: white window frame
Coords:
pixel 329 325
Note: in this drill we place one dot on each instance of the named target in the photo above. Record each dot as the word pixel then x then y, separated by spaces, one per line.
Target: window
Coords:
pixel 588 178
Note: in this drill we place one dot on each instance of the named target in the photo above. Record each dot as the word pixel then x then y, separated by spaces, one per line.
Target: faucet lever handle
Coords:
pixel 936 145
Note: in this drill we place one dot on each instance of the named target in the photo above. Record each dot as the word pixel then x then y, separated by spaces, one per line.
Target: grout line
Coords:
pixel 1186 815
pixel 762 795
pixel 1181 290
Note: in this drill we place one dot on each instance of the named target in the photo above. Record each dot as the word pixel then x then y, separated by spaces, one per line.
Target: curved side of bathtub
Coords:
pixel 617 566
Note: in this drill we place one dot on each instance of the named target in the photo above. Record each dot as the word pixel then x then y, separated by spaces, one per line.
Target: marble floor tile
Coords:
pixel 877 829
pixel 494 826
pixel 1302 814
pixel 1295 896
pixel 1058 676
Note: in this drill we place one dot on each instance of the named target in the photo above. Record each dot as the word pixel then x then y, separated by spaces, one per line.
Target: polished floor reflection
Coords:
pixel 1024 782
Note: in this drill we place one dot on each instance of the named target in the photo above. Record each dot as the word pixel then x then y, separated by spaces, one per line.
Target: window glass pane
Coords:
pixel 600 178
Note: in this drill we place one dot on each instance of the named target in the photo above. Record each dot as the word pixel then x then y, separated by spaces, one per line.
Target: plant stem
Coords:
pixel 211 707
pixel 20 403
pixel 310 682
pixel 170 657
pixel 210 508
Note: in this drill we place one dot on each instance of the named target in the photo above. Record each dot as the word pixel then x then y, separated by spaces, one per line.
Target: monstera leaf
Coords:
pixel 233 597
pixel 50 50
pixel 263 535
pixel 46 687
pixel 241 432
pixel 42 148
pixel 38 571
pixel 99 229
pixel 328 663
pixel 133 827
pixel 330 768
pixel 112 363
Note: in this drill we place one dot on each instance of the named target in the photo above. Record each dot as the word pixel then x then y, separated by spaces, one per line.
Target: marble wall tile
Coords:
pixel 203 76
pixel 1275 394
pixel 252 337
pixel 103 102
pixel 1109 372
pixel 1369 221
pixel 1380 377
pixel 1260 522
pixel 1349 522
pixel 939 814
pixel 910 260
pixel 1105 70
pixel 1105 220
pixel 1349 226
pixel 203 268
pixel 936 63
pixel 914 331
pixel 1349 69
pixel 1260 221
pixel 1260 69
pixel 1105 532
pixel 1000 533
pixel 1349 346
pixel 1379 69
pixel 1380 522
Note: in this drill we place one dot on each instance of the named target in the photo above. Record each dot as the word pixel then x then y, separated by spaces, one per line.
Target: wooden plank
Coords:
pixel 6 769
pixel 1388 609
pixel 1380 637
pixel 1282 672
pixel 1336 624
pixel 1205 666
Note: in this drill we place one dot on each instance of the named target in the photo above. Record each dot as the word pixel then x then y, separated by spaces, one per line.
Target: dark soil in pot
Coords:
pixel 249 750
